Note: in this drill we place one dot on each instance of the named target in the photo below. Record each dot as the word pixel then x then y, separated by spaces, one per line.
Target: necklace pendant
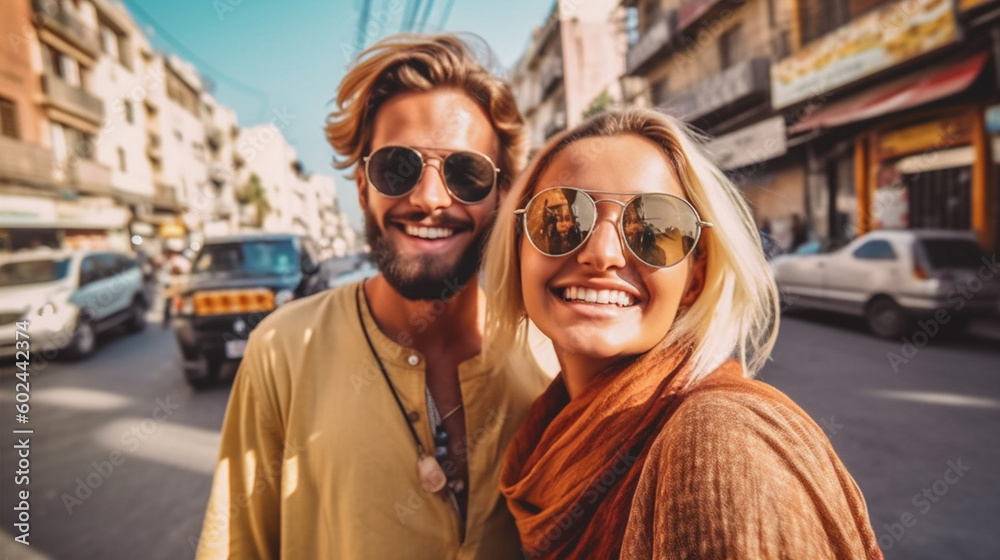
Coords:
pixel 432 478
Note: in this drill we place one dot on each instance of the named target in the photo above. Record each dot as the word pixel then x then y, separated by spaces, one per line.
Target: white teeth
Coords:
pixel 588 295
pixel 428 232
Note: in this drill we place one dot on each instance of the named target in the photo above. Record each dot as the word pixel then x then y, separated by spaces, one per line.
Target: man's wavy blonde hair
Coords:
pixel 735 315
pixel 417 63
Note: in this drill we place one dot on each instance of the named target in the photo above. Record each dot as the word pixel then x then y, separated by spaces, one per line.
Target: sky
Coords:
pixel 274 57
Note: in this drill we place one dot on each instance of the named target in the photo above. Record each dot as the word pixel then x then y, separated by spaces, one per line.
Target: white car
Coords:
pixel 68 298
pixel 894 277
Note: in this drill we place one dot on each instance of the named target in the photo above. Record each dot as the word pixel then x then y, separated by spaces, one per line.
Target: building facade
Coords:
pixel 851 114
pixel 572 61
pixel 53 188
pixel 107 143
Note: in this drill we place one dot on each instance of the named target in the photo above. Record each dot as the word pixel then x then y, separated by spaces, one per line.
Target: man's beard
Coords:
pixel 424 277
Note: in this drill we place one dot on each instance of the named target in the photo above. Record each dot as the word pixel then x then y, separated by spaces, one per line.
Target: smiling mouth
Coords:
pixel 424 232
pixel 603 297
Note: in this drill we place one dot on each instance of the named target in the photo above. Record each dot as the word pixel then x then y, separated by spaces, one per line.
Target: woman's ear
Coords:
pixel 696 278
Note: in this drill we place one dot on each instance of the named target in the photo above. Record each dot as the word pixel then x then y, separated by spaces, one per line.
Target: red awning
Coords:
pixel 910 91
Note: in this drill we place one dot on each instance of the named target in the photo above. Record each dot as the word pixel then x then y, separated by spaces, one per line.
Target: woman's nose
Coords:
pixel 603 250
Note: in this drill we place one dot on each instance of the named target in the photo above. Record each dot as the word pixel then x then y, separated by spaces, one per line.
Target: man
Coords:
pixel 366 422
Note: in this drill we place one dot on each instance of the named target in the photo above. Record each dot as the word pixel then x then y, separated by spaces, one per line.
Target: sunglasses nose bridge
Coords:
pixel 604 247
pixel 428 192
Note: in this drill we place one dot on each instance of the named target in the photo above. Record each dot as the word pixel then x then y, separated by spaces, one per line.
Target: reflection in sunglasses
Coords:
pixel 658 228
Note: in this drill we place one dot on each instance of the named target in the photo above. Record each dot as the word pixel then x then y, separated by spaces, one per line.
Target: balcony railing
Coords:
pixel 153 148
pixel 723 91
pixel 72 99
pixel 88 176
pixel 552 73
pixel 557 124
pixel 651 43
pixel 50 15
pixel 20 161
pixel 165 197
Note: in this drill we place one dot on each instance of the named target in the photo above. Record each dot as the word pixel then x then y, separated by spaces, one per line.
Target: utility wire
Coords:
pixel 447 12
pixel 411 16
pixel 422 26
pixel 359 35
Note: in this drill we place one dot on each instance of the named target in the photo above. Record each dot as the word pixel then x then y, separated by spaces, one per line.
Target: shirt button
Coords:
pixel 413 360
pixel 413 416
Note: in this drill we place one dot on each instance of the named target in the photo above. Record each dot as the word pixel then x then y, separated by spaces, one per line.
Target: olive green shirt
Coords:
pixel 316 460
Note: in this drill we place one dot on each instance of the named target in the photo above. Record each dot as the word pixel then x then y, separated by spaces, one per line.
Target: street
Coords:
pixel 920 441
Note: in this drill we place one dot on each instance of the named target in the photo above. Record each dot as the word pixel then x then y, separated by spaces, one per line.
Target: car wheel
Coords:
pixel 137 316
pixel 886 318
pixel 84 339
pixel 205 376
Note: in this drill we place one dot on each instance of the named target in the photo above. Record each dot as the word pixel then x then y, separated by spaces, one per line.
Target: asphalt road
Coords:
pixel 122 451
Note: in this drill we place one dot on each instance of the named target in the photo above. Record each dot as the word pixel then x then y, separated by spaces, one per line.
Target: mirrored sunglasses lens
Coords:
pixel 393 170
pixel 470 176
pixel 660 230
pixel 558 220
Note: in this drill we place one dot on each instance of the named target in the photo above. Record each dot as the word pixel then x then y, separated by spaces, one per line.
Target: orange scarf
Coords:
pixel 572 469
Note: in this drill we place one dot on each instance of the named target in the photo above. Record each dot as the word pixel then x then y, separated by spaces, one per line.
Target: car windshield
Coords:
pixel 250 258
pixel 33 272
pixel 953 253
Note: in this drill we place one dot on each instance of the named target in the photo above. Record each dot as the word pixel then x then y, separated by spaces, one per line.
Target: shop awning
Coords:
pixel 910 91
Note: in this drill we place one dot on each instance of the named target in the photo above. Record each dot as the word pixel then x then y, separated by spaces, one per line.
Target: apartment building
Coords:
pixel 54 189
pixel 573 59
pixel 855 114
pixel 293 200
pixel 107 143
pixel 708 64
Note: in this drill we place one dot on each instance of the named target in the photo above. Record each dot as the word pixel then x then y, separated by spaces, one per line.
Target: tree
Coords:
pixel 253 194
pixel 599 104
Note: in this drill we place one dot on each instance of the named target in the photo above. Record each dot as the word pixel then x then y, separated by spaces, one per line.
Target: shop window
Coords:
pixel 819 17
pixel 8 118
pixel 875 250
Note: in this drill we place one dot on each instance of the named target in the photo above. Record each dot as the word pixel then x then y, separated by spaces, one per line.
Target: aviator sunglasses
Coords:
pixel 395 170
pixel 660 229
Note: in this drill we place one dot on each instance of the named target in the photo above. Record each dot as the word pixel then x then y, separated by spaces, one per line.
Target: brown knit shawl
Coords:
pixel 572 471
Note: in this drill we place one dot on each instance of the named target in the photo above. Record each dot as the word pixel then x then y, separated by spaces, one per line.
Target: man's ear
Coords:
pixel 359 178
pixel 696 277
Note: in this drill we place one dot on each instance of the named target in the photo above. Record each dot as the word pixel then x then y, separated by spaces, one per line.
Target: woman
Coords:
pixel 653 442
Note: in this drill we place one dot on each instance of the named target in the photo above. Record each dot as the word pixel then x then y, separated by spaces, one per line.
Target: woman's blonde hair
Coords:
pixel 736 313
pixel 416 63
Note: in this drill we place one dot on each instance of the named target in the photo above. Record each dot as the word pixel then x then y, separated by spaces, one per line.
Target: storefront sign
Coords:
pixel 878 40
pixel 940 134
pixel 756 143
pixel 86 216
pixel 24 211
pixel 966 5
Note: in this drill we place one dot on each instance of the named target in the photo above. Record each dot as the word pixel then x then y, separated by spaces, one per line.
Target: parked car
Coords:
pixel 69 298
pixel 891 277
pixel 347 270
pixel 236 281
